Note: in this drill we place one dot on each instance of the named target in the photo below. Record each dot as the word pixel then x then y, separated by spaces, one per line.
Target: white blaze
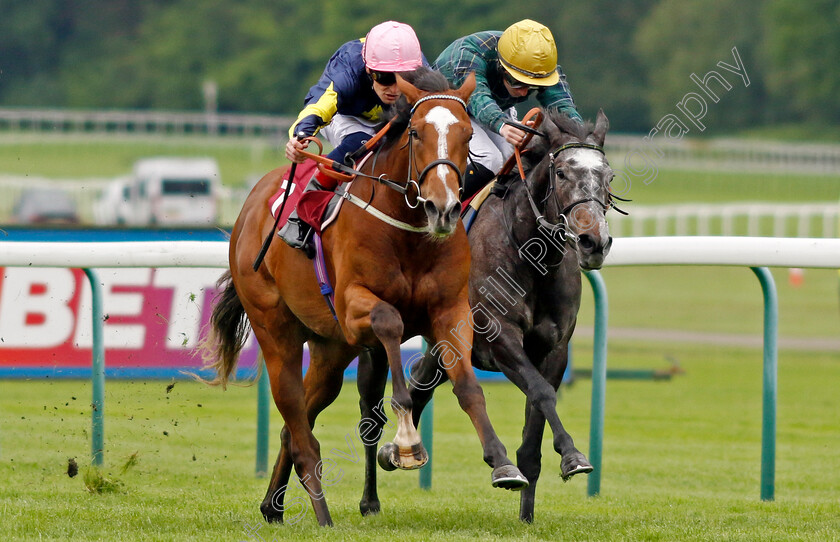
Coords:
pixel 442 118
pixel 589 160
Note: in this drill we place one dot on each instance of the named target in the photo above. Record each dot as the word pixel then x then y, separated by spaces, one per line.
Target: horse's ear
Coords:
pixel 602 124
pixel 467 87
pixel 411 93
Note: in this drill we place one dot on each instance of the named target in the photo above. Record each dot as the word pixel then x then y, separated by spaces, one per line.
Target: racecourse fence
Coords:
pixel 725 154
pixel 753 219
pixel 69 121
pixel 756 253
pixel 817 219
pixel 687 153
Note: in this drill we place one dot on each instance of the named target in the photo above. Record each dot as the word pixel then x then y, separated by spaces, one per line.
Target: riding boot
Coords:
pixel 476 178
pixel 296 233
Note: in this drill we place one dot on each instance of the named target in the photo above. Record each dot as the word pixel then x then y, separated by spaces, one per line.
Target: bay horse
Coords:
pixel 391 280
pixel 529 242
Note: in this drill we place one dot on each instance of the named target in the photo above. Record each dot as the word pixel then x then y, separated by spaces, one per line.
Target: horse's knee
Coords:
pixel 386 322
pixel 370 427
pixel 543 396
pixel 468 394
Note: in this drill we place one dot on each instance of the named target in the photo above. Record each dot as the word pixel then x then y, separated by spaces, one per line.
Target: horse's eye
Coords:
pixel 560 174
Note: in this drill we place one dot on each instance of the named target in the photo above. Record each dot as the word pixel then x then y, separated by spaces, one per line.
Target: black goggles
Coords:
pixel 386 79
pixel 515 83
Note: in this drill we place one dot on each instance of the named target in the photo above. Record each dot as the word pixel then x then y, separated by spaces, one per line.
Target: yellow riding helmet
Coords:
pixel 527 52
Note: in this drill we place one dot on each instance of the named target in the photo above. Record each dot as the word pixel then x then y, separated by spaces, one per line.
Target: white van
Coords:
pixel 168 191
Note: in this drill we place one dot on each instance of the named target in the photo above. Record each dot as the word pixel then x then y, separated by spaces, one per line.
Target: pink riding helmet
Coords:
pixel 392 47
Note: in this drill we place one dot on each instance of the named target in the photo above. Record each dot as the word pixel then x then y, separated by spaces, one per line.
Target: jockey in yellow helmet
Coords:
pixel 509 66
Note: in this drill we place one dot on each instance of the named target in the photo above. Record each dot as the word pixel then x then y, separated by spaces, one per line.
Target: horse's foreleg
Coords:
pixel 367 313
pixel 541 391
pixel 529 459
pixel 371 380
pixel 573 461
pixel 454 357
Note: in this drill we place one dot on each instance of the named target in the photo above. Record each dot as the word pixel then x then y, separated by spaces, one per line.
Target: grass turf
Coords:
pixel 681 461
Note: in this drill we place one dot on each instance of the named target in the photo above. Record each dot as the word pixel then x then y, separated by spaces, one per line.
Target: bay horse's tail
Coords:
pixel 228 332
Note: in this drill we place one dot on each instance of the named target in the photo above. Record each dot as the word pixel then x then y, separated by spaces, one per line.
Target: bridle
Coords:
pixel 412 135
pixel 562 227
pixel 344 173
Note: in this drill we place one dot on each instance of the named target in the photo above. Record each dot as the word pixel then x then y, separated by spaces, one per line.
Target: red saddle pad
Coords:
pixel 302 175
pixel 310 206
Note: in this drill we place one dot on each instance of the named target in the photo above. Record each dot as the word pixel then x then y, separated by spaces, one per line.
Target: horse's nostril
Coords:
pixel 430 208
pixel 586 242
pixel 455 212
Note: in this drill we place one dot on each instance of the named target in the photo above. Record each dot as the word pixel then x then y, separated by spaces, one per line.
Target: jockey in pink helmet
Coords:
pixel 347 102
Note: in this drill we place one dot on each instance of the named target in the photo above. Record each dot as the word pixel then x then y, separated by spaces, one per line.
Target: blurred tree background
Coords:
pixel 632 58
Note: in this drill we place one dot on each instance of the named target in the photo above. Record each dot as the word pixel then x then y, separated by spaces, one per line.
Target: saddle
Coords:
pixel 318 208
pixel 498 187
pixel 473 204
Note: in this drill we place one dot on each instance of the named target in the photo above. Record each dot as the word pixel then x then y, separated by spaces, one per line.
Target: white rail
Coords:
pixel 740 251
pixel 144 122
pixel 744 218
pixel 726 154
pixel 115 254
pixel 710 250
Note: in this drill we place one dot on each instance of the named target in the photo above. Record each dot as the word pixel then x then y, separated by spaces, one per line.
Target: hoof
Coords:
pixel 574 463
pixel 384 455
pixel 369 508
pixel 391 457
pixel 271 514
pixel 508 477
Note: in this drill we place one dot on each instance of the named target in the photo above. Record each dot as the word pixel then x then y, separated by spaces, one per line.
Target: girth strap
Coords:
pixel 321 275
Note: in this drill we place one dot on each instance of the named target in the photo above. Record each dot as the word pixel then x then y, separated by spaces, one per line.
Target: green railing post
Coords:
pixel 97 377
pixel 768 424
pixel 427 429
pixel 427 435
pixel 599 381
pixel 263 411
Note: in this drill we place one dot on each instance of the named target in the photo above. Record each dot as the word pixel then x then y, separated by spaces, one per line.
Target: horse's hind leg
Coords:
pixel 283 362
pixel 321 386
pixel 371 381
